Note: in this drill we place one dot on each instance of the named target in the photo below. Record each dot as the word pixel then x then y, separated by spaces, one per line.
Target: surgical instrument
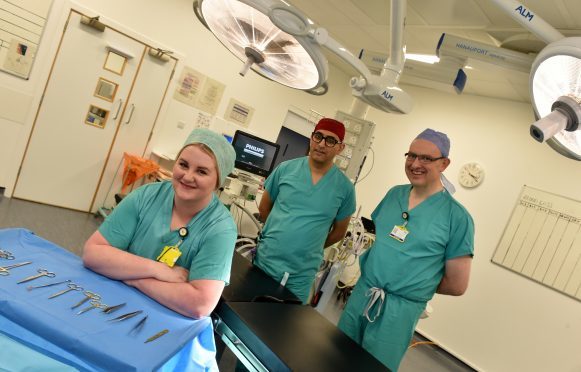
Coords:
pixel 94 304
pixel 4 269
pixel 137 328
pixel 126 316
pixel 88 296
pixel 6 255
pixel 110 309
pixel 72 287
pixel 156 336
pixel 30 288
pixel 41 273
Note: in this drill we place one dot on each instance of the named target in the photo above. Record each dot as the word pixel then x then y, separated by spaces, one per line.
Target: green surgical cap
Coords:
pixel 222 149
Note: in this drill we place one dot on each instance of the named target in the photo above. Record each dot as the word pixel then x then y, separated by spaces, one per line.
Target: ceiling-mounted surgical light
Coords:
pixel 554 83
pixel 555 87
pixel 277 41
pixel 248 32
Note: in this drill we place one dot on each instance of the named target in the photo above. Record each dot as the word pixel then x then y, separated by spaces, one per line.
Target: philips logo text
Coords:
pixel 254 150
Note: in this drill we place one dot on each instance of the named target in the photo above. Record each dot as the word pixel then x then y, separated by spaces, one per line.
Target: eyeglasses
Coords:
pixel 423 159
pixel 330 141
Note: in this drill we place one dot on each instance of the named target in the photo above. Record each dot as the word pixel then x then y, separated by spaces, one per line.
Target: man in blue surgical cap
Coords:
pixel 424 245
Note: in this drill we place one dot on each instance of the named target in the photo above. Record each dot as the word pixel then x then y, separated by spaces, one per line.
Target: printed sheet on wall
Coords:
pixel 542 241
pixel 21 26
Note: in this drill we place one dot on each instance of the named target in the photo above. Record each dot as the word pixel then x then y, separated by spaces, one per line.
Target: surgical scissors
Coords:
pixel 6 255
pixel 4 269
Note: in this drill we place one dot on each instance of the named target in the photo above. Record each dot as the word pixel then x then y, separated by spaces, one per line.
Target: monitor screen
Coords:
pixel 254 154
pixel 228 138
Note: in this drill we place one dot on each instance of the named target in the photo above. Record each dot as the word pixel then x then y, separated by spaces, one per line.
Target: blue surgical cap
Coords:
pixel 222 150
pixel 439 139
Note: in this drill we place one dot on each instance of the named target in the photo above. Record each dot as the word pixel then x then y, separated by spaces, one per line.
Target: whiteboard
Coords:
pixel 21 26
pixel 542 241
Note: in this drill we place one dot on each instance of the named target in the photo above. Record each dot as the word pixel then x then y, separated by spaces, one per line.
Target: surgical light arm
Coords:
pixel 381 91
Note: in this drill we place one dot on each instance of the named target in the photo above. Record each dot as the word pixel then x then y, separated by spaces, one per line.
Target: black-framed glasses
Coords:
pixel 330 141
pixel 424 159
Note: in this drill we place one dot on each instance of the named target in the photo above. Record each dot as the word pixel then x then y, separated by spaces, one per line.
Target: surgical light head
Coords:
pixel 247 30
pixel 555 87
pixel 554 82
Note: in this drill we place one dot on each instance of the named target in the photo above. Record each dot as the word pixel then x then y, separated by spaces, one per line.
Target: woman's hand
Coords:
pixel 176 274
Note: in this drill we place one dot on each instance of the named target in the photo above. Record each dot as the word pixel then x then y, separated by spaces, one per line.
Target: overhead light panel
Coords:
pixel 425 58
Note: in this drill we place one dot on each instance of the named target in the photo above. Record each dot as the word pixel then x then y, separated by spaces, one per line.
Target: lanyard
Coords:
pixel 170 254
pixel 182 232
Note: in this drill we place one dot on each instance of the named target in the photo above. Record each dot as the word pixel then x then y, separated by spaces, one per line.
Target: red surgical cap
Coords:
pixel 333 126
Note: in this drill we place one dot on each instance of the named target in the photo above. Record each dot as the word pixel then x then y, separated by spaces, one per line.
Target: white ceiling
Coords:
pixel 364 24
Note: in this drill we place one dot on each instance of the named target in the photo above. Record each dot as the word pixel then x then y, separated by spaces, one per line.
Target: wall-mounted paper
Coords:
pixel 239 113
pixel 199 91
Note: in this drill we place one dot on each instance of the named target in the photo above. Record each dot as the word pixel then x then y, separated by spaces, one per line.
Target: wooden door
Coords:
pixel 142 110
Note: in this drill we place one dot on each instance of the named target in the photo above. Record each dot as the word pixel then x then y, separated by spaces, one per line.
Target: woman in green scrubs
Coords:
pixel 173 240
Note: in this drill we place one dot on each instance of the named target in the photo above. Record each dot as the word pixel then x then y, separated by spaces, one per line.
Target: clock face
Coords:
pixel 471 175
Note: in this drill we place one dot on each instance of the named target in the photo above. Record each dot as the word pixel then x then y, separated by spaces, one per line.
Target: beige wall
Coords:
pixel 505 322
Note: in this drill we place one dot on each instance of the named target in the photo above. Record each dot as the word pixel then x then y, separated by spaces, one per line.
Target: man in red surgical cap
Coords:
pixel 307 204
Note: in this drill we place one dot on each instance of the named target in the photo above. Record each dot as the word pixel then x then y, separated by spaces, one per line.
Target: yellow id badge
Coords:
pixel 169 255
pixel 399 233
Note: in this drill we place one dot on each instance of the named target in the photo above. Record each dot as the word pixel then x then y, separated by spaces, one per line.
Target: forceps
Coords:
pixel 30 287
pixel 4 269
pixel 41 273
pixel 72 287
pixel 137 327
pixel 6 255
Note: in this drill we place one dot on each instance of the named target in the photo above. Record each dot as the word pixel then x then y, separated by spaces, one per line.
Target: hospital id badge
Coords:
pixel 169 255
pixel 399 233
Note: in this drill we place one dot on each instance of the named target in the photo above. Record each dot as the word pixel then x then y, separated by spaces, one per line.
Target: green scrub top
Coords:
pixel 296 229
pixel 409 272
pixel 439 228
pixel 140 224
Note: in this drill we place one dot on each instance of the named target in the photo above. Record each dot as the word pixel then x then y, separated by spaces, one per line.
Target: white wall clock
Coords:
pixel 471 175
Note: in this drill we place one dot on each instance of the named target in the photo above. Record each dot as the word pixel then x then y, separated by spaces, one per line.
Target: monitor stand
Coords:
pixel 246 177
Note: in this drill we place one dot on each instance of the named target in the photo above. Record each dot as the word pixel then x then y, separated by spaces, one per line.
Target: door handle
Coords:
pixel 132 109
pixel 118 108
